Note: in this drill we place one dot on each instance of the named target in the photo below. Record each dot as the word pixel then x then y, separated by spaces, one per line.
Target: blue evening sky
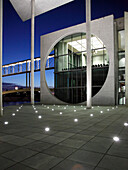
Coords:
pixel 16 35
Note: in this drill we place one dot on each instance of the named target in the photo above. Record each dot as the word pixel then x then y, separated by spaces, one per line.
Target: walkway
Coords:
pixel 63 138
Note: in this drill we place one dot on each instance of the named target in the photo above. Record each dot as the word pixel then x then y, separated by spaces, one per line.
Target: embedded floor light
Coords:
pixel 13 114
pixel 64 107
pixel 17 110
pixel 47 129
pixel 116 107
pixel 74 106
pixel 98 106
pixel 101 111
pixel 116 139
pixel 75 120
pixel 112 107
pixel 34 108
pixel 108 110
pixel 39 117
pixel 125 124
pixel 84 108
pixel 52 109
pixel 58 106
pixel 74 110
pixel 91 115
pixel 48 107
pixel 81 106
pixel 19 107
pixel 6 123
pixel 60 113
pixel 92 107
pixel 36 111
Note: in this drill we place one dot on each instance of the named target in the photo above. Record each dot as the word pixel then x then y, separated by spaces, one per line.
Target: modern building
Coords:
pixel 109 48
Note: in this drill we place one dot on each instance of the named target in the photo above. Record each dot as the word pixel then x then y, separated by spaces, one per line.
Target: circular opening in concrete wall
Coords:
pixel 67 78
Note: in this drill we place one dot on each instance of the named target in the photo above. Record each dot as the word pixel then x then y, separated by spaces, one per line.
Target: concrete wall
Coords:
pixel 104 29
pixel 126 58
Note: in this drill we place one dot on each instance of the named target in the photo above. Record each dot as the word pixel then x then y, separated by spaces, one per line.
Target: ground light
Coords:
pixel 91 115
pixel 48 107
pixel 92 107
pixel 74 110
pixel 60 113
pixel 116 139
pixel 6 123
pixel 64 107
pixel 101 111
pixel 125 124
pixel 39 117
pixel 17 110
pixel 34 108
pixel 108 110
pixel 36 111
pixel 13 114
pixel 52 109
pixel 75 120
pixel 47 129
pixel 84 108
pixel 113 108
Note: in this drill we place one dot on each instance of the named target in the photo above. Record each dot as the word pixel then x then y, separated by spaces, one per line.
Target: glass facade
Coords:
pixel 70 67
pixel 121 73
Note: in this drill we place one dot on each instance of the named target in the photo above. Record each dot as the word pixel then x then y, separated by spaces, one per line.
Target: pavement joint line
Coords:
pixel 108 148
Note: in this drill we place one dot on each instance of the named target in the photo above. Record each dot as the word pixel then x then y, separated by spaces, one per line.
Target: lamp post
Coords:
pixel 1 40
pixel 89 61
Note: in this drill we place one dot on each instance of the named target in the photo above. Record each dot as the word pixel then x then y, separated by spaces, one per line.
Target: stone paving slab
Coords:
pixel 83 144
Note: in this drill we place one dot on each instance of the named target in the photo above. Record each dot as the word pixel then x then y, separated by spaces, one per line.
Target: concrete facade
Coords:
pixel 103 28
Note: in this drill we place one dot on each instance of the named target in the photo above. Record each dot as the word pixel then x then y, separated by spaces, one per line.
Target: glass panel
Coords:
pixel 122 59
pixel 121 40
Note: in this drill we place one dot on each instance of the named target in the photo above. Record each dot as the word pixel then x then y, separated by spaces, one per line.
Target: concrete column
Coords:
pixel 32 49
pixel 89 63
pixel 126 58
pixel 1 40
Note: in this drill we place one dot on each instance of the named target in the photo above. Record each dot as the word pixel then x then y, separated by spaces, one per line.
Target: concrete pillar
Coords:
pixel 126 58
pixel 1 40
pixel 89 63
pixel 32 49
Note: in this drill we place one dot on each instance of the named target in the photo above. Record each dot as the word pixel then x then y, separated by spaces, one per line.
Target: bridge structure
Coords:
pixel 24 67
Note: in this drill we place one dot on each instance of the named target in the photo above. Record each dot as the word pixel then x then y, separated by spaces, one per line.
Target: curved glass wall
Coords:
pixel 70 67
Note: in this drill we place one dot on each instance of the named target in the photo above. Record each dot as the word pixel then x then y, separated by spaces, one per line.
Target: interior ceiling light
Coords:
pixel 80 45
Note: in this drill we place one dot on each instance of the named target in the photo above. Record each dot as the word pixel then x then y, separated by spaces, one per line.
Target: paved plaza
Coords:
pixel 64 138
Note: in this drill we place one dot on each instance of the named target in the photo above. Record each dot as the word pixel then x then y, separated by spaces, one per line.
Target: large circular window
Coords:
pixel 70 67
